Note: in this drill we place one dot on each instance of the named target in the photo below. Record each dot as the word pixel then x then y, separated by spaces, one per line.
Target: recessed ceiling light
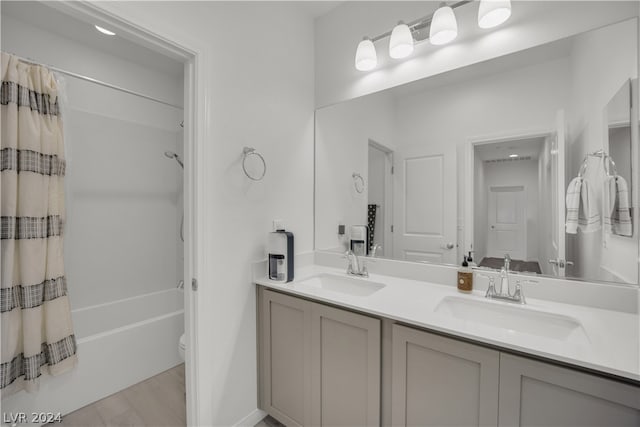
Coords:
pixel 104 31
pixel 513 156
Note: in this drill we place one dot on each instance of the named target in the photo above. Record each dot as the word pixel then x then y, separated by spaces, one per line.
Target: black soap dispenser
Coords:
pixel 280 250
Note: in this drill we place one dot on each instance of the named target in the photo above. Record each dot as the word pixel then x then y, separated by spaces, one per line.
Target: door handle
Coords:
pixel 448 246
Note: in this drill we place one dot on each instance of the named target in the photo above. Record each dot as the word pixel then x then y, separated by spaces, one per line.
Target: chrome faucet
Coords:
pixel 504 277
pixel 355 267
pixel 374 250
pixel 504 294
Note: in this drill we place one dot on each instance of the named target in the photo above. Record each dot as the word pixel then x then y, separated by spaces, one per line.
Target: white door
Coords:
pixel 557 260
pixel 425 203
pixel 507 222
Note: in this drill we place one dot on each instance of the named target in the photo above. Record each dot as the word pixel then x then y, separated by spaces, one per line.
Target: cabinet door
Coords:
pixel 346 368
pixel 286 358
pixel 437 381
pixel 537 394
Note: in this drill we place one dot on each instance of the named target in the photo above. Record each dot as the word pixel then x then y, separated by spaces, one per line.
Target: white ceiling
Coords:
pixel 316 9
pixel 524 148
pixel 42 16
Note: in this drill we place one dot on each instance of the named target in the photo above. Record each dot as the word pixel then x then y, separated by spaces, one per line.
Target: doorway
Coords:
pixel 511 184
pixel 130 128
pixel 379 209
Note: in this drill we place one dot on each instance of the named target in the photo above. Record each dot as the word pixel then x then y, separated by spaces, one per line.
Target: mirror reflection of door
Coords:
pixel 507 222
pixel 425 196
pixel 379 211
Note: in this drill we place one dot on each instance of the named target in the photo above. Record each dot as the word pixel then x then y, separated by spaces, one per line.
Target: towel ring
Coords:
pixel 249 151
pixel 358 178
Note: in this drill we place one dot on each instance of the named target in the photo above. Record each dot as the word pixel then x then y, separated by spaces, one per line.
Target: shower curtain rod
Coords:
pixel 99 82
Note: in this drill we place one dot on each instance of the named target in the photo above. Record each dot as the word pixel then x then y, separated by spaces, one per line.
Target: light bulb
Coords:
pixel 104 31
pixel 493 12
pixel 401 43
pixel 366 58
pixel 444 27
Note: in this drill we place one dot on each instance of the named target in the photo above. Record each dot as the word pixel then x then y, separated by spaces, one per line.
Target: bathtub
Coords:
pixel 120 343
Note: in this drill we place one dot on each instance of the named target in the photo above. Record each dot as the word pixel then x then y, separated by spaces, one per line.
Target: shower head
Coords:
pixel 172 155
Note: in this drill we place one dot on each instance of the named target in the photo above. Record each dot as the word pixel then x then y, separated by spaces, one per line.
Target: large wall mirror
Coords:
pixel 481 159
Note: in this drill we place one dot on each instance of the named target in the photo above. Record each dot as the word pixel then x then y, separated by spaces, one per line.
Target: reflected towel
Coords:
pixel 618 218
pixel 582 209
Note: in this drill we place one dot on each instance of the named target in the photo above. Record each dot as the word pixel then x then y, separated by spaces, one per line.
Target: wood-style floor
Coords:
pixel 157 401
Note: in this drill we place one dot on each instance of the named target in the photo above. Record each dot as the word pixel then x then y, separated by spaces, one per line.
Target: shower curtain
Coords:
pixel 37 332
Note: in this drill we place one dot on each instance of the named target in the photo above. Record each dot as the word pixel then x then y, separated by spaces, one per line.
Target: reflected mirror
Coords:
pixel 479 160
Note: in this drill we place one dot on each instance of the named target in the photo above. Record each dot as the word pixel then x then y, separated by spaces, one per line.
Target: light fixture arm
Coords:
pixel 419 23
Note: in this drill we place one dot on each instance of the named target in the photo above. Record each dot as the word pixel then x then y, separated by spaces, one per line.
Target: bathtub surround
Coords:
pixel 37 331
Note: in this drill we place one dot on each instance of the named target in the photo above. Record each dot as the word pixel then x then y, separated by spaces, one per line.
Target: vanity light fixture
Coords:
pixel 440 27
pixel 444 27
pixel 104 31
pixel 366 58
pixel 493 12
pixel 401 42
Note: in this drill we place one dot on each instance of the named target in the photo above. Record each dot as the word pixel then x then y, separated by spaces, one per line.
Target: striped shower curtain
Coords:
pixel 37 333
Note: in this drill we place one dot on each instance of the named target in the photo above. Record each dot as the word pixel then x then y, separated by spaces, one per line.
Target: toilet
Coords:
pixel 182 346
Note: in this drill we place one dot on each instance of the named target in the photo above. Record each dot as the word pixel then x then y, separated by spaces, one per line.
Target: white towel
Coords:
pixel 582 209
pixel 617 216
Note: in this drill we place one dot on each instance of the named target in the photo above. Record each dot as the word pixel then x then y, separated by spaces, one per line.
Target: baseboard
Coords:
pixel 252 419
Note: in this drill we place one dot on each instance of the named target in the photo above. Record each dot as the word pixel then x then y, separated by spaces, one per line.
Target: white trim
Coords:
pixel 251 419
pixel 173 42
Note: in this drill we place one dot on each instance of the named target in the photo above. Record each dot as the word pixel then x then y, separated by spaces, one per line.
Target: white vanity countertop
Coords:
pixel 612 343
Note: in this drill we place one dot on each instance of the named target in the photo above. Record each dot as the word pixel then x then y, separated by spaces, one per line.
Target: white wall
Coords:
pixel 343 132
pixel 480 210
pixel 258 62
pixel 598 72
pixel 532 23
pixel 121 192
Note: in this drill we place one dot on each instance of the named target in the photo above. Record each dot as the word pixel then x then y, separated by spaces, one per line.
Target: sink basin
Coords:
pixel 343 284
pixel 513 318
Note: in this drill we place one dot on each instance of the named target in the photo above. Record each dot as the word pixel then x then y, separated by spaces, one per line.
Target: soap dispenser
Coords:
pixel 359 239
pixel 465 277
pixel 280 250
pixel 470 260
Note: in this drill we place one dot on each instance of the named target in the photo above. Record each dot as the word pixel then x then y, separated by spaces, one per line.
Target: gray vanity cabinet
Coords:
pixel 533 393
pixel 438 381
pixel 285 353
pixel 320 365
